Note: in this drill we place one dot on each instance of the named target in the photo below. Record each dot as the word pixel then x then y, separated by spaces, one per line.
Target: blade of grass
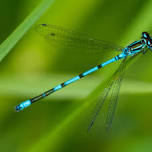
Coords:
pixel 18 33
pixel 79 91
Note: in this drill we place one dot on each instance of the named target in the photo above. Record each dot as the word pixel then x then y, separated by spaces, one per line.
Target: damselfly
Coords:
pixel 63 36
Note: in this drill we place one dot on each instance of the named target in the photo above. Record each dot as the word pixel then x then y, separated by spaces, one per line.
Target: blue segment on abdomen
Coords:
pixel 90 71
pixel 24 104
pixel 122 55
pixel 109 61
pixel 57 87
pixel 72 80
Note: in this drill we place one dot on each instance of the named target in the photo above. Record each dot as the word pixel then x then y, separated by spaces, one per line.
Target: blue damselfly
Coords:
pixel 66 37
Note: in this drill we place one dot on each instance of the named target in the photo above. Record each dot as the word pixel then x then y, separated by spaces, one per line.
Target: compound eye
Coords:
pixel 151 44
pixel 145 35
pixel 18 108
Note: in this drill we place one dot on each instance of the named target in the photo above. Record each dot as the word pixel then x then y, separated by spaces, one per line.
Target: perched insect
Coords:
pixel 66 37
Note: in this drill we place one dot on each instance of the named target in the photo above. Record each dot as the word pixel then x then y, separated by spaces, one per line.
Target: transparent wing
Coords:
pixel 110 96
pixel 68 38
pixel 114 98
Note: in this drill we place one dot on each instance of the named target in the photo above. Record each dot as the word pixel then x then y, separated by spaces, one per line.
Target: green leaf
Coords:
pixel 11 41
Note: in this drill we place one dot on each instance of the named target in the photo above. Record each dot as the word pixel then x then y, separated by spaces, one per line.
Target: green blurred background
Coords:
pixel 59 122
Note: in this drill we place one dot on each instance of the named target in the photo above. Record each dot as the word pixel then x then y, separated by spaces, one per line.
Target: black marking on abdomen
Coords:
pixel 81 75
pixel 63 85
pixel 116 58
pixel 99 66
pixel 42 95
